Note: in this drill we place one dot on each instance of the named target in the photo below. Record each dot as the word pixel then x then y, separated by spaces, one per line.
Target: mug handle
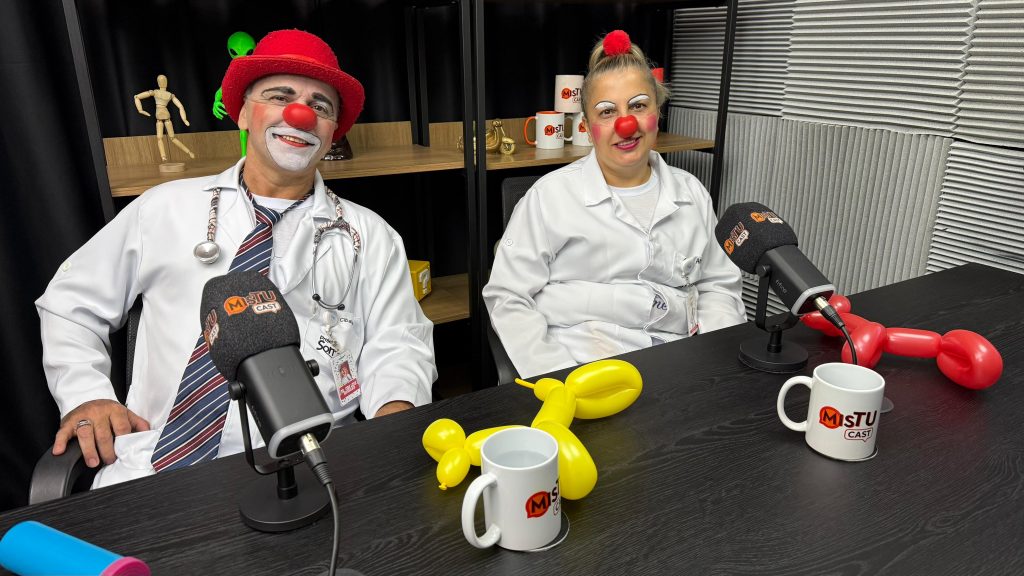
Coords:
pixel 473 493
pixel 568 127
pixel 780 405
pixel 525 126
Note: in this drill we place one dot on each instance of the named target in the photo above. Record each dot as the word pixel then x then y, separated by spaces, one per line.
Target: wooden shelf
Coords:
pixel 448 299
pixel 380 149
pixel 526 155
pixel 134 180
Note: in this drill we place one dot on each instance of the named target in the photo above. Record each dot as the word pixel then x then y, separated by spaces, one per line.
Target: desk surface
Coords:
pixel 697 477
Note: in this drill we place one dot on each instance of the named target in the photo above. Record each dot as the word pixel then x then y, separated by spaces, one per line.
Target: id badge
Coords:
pixel 693 325
pixel 343 368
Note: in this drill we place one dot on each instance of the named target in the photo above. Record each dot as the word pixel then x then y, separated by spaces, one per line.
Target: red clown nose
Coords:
pixel 300 116
pixel 625 126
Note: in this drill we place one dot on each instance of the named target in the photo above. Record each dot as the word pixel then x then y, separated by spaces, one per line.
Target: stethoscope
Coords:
pixel 208 251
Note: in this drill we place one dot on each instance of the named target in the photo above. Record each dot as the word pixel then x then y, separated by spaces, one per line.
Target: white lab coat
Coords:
pixel 147 250
pixel 575 275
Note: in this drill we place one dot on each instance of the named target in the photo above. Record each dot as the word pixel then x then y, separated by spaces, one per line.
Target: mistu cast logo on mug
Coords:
pixel 519 486
pixel 550 130
pixel 842 414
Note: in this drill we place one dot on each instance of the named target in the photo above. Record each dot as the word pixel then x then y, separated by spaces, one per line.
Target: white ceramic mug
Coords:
pixel 567 93
pixel 519 485
pixel 581 136
pixel 842 415
pixel 550 128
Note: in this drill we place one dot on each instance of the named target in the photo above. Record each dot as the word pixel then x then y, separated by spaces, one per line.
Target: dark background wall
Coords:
pixel 51 201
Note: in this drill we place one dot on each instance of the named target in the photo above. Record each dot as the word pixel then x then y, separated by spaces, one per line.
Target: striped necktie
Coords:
pixel 193 430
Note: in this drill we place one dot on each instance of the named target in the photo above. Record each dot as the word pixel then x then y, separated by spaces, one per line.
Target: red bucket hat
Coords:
pixel 293 52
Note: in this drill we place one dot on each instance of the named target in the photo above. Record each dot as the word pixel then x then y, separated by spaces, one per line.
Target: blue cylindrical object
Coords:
pixel 34 549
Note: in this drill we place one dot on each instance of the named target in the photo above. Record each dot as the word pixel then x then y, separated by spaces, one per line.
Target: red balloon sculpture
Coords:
pixel 965 357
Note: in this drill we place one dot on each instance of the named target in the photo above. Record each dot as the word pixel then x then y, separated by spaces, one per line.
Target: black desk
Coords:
pixel 697 477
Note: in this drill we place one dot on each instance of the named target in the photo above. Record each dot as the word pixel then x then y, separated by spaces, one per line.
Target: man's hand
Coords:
pixel 392 407
pixel 96 423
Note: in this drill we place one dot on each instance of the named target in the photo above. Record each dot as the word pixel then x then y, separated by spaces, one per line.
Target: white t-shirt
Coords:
pixel 641 200
pixel 285 228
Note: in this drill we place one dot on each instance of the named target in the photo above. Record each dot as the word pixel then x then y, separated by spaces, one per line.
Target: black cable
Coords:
pixel 322 474
pixel 337 527
pixel 853 349
pixel 830 314
pixel 318 463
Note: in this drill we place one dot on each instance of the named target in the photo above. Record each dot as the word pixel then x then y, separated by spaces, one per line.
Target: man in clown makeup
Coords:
pixel 342 270
pixel 616 251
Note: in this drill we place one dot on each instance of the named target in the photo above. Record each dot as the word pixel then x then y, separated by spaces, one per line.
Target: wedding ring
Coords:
pixel 83 422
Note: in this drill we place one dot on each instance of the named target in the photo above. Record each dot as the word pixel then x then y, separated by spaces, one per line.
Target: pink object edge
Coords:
pixel 126 566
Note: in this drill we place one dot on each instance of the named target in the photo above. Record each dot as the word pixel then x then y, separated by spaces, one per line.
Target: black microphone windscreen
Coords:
pixel 243 313
pixel 747 230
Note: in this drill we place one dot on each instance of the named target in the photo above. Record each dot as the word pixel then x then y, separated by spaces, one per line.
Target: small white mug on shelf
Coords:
pixel 567 93
pixel 842 414
pixel 519 485
pixel 550 126
pixel 581 136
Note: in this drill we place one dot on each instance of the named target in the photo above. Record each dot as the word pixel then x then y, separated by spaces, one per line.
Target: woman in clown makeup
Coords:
pixel 616 251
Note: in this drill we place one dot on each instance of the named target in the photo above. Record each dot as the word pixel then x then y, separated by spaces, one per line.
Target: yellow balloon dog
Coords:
pixel 594 390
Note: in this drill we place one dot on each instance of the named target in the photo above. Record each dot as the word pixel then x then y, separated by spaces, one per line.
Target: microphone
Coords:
pixel 756 239
pixel 254 340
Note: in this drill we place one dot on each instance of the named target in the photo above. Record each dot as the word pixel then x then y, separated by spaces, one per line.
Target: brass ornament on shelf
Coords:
pixel 508 146
pixel 495 140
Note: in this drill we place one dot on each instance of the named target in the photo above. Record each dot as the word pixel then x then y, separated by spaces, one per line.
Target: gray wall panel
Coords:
pixel 862 201
pixel 761 52
pixel 981 212
pixel 885 107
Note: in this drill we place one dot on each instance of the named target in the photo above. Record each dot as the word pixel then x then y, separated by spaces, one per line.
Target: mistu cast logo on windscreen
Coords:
pixel 261 302
pixel 857 425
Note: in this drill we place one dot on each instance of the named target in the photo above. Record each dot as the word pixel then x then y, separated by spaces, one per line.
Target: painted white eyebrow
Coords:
pixel 638 98
pixel 604 105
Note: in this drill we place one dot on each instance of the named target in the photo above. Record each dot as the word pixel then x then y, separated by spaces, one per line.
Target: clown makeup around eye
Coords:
pixel 607 111
pixel 284 95
pixel 639 103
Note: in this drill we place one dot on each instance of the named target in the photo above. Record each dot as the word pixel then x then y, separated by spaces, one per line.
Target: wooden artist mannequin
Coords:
pixel 163 118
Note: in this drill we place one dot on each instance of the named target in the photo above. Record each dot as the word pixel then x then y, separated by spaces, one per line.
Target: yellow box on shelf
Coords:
pixel 420 272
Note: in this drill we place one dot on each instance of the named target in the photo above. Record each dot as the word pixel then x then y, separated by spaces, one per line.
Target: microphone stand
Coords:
pixel 778 357
pixel 291 509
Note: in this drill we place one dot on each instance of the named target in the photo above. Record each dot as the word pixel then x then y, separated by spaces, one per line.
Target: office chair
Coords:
pixel 512 191
pixel 58 476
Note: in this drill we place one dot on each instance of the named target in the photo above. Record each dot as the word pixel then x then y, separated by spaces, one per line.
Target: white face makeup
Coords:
pixel 290 148
pixel 274 142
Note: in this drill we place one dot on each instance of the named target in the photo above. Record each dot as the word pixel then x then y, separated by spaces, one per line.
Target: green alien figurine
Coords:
pixel 239 44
